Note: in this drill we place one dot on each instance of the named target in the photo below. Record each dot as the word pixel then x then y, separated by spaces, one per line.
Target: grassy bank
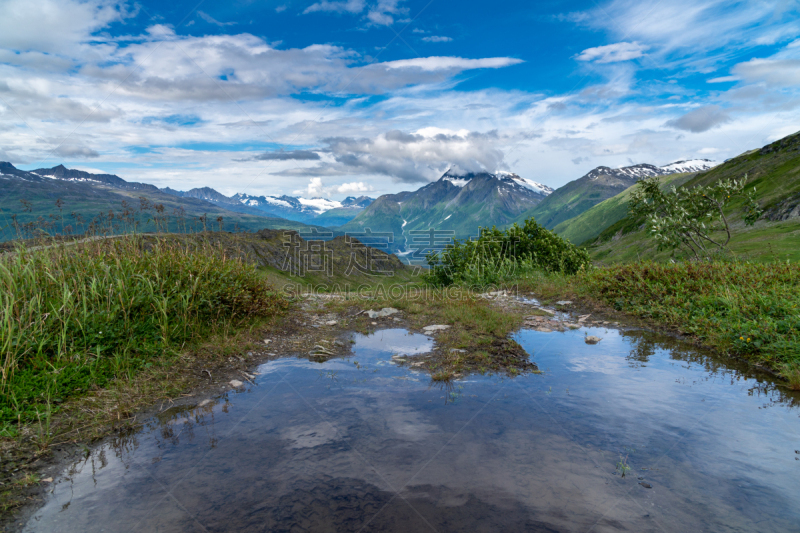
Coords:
pixel 749 310
pixel 73 319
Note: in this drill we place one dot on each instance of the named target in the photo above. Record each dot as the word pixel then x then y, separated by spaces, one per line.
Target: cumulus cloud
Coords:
pixel 612 53
pixel 700 119
pixel 409 157
pixel 437 39
pixel 353 187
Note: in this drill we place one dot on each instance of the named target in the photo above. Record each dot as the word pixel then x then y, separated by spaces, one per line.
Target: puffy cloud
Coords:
pixel 409 157
pixel 60 27
pixel 353 187
pixel 612 53
pixel 700 119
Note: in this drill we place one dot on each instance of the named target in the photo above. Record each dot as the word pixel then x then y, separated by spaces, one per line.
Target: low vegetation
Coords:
pixel 500 256
pixel 74 318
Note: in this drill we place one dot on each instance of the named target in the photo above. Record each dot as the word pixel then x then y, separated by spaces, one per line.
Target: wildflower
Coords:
pixel 748 339
pixel 741 338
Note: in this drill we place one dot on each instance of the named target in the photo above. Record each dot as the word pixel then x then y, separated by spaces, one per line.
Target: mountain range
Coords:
pixel 601 184
pixel 611 236
pixel 31 198
pixel 456 203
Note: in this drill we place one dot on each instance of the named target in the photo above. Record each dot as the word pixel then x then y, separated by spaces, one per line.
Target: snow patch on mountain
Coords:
pixel 320 205
pixel 525 182
pixel 690 165
pixel 458 182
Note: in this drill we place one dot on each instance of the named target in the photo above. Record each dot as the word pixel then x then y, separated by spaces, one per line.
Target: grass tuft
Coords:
pixel 74 318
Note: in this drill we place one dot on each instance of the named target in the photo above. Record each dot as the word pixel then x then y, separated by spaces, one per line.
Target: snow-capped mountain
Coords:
pixel 503 178
pixel 455 202
pixel 306 209
pixel 600 184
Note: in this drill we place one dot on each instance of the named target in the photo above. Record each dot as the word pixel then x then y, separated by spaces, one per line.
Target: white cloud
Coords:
pixel 774 72
pixel 348 6
pixel 612 53
pixel 435 63
pixel 211 20
pixel 353 187
pixel 701 119
pixel 682 29
pixel 437 39
pixel 415 157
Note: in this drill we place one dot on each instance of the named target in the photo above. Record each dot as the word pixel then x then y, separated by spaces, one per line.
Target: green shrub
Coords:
pixel 497 256
pixel 72 318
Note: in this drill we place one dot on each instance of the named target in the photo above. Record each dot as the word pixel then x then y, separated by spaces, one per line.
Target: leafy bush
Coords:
pixel 689 217
pixel 75 317
pixel 497 256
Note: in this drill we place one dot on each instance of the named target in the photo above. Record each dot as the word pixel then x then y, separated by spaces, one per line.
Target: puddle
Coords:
pixel 362 444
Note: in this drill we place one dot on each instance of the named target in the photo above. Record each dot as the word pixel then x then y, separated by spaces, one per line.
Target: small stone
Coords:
pixel 235 383
pixel 386 311
pixel 374 323
pixel 331 323
pixel 564 302
pixel 645 485
pixel 435 327
pixel 47 480
pixel 591 339
pixel 267 341
pixel 203 403
pixel 457 350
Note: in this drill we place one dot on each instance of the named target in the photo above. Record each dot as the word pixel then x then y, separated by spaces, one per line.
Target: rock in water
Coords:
pixel 235 383
pixel 591 339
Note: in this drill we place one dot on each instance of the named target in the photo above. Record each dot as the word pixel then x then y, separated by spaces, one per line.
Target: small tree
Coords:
pixel 692 218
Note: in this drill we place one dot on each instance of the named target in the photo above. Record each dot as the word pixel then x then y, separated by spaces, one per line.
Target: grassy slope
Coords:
pixel 589 224
pixel 574 198
pixel 776 176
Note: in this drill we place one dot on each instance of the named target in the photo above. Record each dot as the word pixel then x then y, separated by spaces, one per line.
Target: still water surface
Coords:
pixel 374 446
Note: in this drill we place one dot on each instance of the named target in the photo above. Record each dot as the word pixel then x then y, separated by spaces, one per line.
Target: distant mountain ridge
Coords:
pixel 288 207
pixel 600 184
pixel 64 200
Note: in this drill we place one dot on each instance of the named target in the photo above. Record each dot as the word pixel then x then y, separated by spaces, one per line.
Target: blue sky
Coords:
pixel 342 97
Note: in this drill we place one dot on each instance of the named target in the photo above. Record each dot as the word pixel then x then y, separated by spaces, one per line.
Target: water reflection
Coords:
pixel 364 444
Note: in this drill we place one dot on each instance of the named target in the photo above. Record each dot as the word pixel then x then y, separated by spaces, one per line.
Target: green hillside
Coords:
pixel 775 172
pixel 589 224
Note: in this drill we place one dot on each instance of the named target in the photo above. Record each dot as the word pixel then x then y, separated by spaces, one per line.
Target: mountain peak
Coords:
pixel 460 180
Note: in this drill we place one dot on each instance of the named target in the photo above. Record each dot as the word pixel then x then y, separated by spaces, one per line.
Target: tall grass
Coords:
pixel 747 309
pixel 74 317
